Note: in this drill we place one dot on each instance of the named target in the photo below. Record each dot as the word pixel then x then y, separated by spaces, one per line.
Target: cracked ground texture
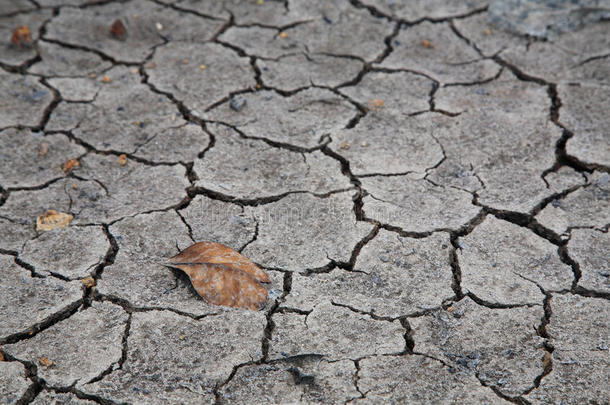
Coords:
pixel 430 196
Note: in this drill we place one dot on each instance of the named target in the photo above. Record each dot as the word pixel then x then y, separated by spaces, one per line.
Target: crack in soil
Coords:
pixel 43 325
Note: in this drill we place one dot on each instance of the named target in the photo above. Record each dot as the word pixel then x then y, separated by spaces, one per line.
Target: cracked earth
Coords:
pixel 430 196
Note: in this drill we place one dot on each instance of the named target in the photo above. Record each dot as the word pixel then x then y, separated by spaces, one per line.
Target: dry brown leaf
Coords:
pixel 118 30
pixel 223 285
pixel 223 276
pixel 21 35
pixel 52 220
pixel 45 362
pixel 1 355
pixel 69 165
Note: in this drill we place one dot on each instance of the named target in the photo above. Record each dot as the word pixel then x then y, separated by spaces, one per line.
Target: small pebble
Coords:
pixel 238 103
pixel 43 149
pixel 38 95
pixel 236 219
pixel 274 293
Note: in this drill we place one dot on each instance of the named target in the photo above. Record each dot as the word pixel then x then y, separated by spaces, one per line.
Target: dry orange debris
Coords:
pixel 376 104
pixel 21 35
pixel 118 30
pixel 70 165
pixel 88 281
pixel 52 219
pixel 45 362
